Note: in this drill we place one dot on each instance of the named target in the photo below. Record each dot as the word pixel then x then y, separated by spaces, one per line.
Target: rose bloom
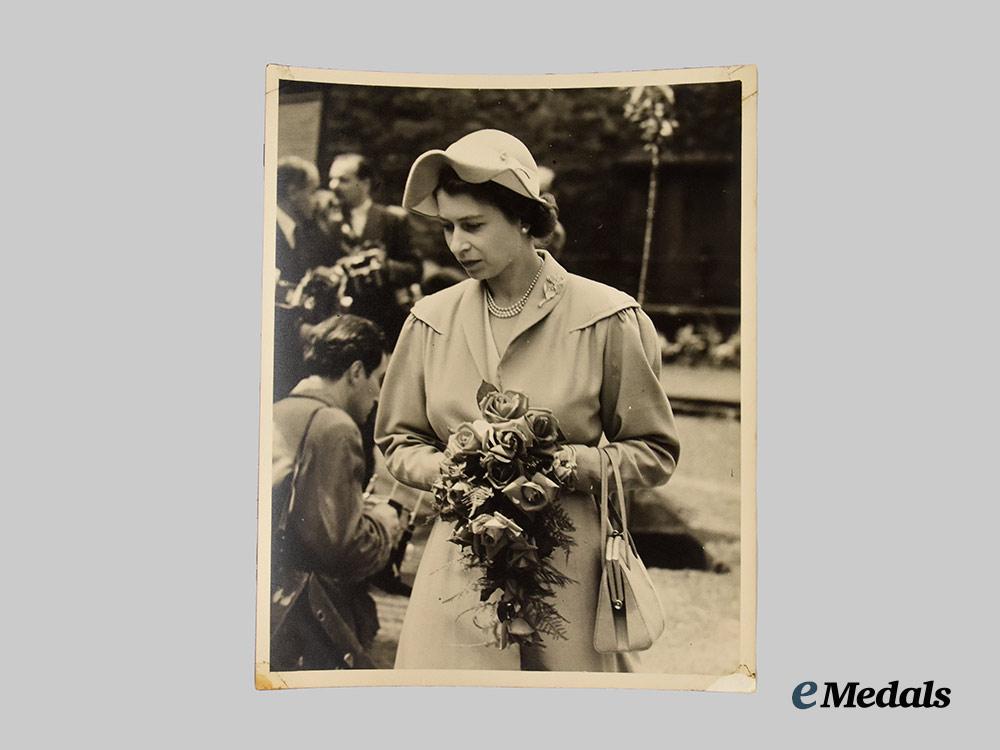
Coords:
pixel 514 425
pixel 550 488
pixel 531 497
pixel 464 441
pixel 495 526
pixel 497 406
pixel 505 443
pixel 492 533
pixel 500 473
pixel 543 425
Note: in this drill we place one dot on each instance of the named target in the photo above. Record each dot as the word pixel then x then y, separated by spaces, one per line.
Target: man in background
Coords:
pixel 374 232
pixel 298 179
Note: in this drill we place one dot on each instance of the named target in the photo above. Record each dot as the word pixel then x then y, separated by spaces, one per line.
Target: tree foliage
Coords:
pixel 581 134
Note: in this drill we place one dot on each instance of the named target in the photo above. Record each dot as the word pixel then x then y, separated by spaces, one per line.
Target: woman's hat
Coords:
pixel 477 157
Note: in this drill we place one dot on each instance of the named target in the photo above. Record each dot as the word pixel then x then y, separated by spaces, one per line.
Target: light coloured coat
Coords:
pixel 588 353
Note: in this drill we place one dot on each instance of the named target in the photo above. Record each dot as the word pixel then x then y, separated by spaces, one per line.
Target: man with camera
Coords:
pixel 381 266
pixel 327 537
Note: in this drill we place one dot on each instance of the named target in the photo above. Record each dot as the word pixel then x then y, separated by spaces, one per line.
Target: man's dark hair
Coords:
pixel 365 170
pixel 338 342
pixel 294 172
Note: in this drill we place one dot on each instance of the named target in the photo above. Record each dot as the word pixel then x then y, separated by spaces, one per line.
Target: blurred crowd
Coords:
pixel 346 277
pixel 336 251
pixel 339 251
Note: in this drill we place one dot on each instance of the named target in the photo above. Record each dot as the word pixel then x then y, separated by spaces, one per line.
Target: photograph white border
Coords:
pixel 744 678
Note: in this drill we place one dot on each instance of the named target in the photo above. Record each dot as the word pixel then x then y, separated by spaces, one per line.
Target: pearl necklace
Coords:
pixel 514 310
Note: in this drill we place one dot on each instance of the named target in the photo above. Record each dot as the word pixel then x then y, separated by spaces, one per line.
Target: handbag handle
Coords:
pixel 608 458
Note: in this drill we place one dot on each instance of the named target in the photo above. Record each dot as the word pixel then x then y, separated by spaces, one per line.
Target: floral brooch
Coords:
pixel 551 288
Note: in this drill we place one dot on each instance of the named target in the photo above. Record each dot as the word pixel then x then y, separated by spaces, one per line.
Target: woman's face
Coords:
pixel 479 235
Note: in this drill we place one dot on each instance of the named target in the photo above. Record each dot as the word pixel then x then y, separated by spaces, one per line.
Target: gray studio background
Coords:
pixel 135 225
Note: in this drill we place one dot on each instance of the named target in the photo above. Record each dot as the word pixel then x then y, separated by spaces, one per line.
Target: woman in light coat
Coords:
pixel 521 322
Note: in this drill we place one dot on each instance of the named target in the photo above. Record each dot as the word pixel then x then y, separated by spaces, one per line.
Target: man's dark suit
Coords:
pixel 312 248
pixel 390 231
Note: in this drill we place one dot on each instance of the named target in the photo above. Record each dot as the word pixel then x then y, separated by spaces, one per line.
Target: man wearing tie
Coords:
pixel 369 226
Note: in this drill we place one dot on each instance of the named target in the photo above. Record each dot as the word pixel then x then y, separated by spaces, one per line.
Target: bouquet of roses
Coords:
pixel 499 488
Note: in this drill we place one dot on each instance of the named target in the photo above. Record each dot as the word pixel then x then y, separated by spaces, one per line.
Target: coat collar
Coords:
pixel 472 304
pixel 553 283
pixel 470 320
pixel 581 303
pixel 317 389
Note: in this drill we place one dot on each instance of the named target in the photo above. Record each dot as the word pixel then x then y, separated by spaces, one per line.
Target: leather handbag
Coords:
pixel 629 613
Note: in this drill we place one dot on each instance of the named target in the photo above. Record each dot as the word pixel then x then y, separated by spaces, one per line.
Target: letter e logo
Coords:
pixel 803 690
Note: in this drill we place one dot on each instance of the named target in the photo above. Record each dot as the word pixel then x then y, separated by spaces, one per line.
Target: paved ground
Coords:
pixel 702 607
pixel 701 382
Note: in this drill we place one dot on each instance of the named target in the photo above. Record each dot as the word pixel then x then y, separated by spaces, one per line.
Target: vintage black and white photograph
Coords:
pixel 508 380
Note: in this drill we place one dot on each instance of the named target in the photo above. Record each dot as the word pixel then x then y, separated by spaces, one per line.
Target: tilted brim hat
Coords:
pixel 477 157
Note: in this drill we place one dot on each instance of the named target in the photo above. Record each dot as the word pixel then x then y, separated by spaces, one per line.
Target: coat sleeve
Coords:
pixel 413 453
pixel 635 413
pixel 328 516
